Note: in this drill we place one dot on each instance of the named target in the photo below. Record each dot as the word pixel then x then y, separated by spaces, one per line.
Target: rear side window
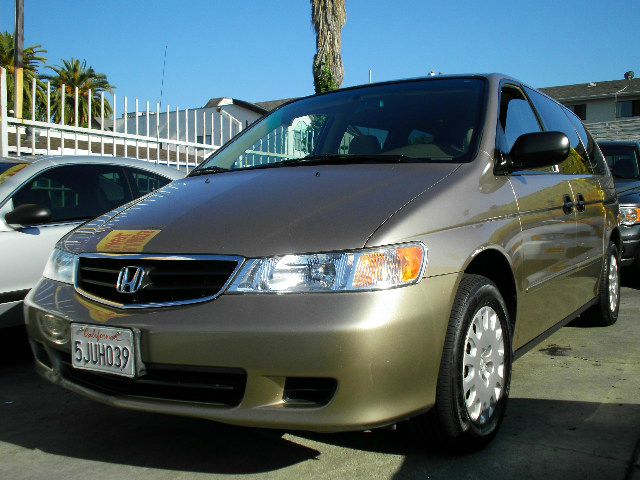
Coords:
pixel 555 119
pixel 146 182
pixel 516 116
pixel 75 192
pixel 593 152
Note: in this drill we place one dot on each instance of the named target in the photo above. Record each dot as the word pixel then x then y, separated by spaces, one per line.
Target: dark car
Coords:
pixel 622 158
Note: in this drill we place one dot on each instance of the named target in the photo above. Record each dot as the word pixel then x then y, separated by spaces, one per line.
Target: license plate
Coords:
pixel 103 349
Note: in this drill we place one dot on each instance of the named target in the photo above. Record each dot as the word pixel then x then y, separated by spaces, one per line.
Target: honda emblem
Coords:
pixel 130 279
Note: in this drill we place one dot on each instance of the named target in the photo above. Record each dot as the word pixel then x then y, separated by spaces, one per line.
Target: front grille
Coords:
pixel 220 386
pixel 168 280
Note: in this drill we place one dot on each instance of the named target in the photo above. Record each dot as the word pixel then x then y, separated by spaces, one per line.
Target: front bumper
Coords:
pixel 630 236
pixel 383 349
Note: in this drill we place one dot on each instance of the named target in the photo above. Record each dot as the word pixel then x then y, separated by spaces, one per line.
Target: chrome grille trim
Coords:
pixel 158 257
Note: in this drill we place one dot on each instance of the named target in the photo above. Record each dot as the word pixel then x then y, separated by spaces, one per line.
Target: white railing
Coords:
pixel 628 129
pixel 169 137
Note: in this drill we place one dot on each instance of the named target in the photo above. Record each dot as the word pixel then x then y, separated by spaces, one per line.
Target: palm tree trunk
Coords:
pixel 328 18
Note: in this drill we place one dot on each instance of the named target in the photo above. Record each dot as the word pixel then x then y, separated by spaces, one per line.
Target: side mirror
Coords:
pixel 28 215
pixel 533 150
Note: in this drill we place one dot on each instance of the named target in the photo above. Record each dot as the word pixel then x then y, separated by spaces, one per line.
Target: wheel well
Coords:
pixel 495 266
pixel 615 238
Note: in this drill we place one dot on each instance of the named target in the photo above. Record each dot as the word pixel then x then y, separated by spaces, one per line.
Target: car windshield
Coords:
pixel 622 160
pixel 9 169
pixel 434 120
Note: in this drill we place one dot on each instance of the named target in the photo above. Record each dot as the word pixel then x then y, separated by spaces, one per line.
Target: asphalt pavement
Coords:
pixel 574 413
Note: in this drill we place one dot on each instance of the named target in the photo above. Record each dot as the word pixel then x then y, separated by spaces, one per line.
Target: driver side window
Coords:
pixel 516 116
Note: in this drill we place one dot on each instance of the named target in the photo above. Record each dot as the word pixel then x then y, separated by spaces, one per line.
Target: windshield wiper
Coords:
pixel 337 158
pixel 208 170
pixel 318 159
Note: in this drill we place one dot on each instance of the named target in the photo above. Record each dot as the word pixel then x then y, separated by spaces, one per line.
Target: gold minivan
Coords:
pixel 355 259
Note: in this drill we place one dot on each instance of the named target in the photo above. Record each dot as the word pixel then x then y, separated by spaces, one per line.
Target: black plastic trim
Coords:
pixel 14 296
pixel 547 333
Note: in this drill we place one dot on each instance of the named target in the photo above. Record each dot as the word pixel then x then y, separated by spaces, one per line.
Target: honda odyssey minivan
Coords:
pixel 356 259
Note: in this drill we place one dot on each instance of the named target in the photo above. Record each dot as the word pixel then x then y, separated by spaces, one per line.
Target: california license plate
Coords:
pixel 103 349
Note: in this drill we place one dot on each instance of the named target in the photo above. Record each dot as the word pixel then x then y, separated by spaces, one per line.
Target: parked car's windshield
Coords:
pixel 426 120
pixel 622 160
pixel 9 169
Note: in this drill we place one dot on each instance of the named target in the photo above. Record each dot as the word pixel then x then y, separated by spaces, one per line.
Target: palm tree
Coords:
pixel 74 73
pixel 328 18
pixel 32 62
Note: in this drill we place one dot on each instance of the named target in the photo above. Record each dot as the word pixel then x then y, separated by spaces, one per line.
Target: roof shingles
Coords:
pixel 587 91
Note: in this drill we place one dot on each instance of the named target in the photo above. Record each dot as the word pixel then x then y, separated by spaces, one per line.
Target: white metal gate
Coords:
pixel 161 137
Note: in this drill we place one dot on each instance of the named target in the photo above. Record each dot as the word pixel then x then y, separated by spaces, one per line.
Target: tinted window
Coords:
pixel 428 120
pixel 516 116
pixel 622 160
pixel 146 182
pixel 75 192
pixel 593 152
pixel 555 119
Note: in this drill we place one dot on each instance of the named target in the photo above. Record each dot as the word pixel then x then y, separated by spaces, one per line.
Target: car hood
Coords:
pixel 261 212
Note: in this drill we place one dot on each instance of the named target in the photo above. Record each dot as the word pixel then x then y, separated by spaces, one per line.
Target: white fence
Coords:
pixel 154 136
pixel 628 129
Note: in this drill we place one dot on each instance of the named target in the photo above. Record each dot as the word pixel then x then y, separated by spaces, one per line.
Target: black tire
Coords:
pixel 449 424
pixel 602 314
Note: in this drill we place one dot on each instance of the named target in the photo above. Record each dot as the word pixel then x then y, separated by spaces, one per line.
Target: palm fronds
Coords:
pixel 75 73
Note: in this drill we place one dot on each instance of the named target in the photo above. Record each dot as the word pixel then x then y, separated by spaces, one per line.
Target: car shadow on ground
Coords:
pixel 37 415
pixel 631 278
pixel 550 439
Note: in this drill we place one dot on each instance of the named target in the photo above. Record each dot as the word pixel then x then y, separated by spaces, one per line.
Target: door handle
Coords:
pixel 581 204
pixel 567 205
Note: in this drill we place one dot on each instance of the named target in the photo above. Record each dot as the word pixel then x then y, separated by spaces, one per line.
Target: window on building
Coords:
pixel 204 139
pixel 579 109
pixel 628 108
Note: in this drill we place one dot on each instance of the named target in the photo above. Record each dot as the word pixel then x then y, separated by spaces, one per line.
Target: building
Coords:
pixel 600 101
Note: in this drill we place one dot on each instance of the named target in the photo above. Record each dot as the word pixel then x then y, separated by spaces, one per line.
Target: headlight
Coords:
pixel 629 215
pixel 360 270
pixel 61 266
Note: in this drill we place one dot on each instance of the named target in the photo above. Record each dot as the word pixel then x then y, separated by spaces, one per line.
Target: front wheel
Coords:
pixel 605 311
pixel 475 371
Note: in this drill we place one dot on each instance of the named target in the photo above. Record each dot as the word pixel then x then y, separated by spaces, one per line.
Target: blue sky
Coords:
pixel 262 49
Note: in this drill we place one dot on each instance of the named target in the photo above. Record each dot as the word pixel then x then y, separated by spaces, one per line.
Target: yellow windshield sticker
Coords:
pixel 7 174
pixel 126 241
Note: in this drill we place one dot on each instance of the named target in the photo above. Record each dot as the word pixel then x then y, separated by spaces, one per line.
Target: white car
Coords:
pixel 43 198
